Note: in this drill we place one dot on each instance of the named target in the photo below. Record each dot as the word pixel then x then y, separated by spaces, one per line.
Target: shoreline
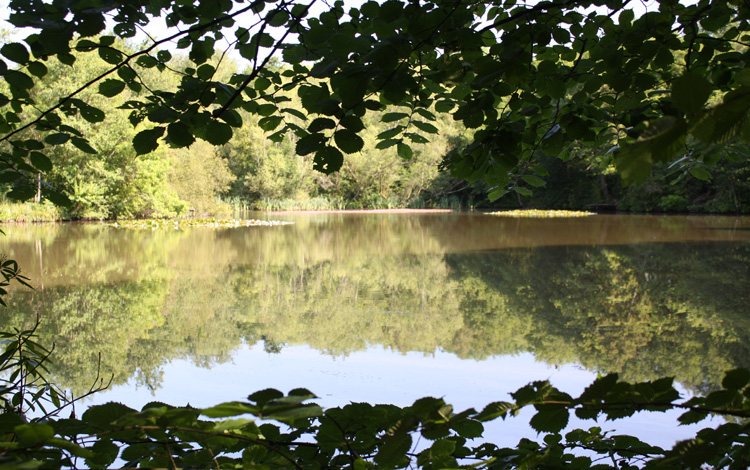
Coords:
pixel 361 211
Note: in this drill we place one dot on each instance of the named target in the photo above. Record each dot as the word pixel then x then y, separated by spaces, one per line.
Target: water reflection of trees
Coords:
pixel 644 311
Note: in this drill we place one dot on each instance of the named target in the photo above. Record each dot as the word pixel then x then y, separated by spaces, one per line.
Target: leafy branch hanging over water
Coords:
pixel 271 430
pixel 529 79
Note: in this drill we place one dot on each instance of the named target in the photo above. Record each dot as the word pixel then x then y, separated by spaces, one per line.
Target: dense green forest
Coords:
pixel 253 172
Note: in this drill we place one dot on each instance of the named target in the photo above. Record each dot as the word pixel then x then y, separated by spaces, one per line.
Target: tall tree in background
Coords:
pixel 650 86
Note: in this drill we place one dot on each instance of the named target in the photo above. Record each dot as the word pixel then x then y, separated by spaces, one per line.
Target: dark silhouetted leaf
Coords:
pixel 690 92
pixel 404 151
pixel 328 159
pixel 310 143
pixel 179 134
pixel 40 161
pixel 15 52
pixel 111 87
pixel 550 418
pixel 348 141
pixel 83 145
pixel 218 133
pixel 147 140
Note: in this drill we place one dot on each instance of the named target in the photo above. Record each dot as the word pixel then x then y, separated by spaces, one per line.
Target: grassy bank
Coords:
pixel 29 212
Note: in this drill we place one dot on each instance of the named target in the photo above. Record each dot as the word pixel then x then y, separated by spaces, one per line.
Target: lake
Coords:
pixel 388 308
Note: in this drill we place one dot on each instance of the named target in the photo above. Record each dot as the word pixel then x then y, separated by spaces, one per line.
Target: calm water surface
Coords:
pixel 390 307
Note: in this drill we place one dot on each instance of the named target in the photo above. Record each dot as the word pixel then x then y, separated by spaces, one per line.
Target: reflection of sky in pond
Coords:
pixel 382 376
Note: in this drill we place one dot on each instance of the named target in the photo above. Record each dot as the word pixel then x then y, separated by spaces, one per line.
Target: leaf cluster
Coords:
pixel 530 79
pixel 361 435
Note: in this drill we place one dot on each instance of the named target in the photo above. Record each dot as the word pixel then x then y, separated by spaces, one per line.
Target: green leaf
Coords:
pixel 319 124
pixel 179 135
pixel 690 92
pixel 110 55
pixel 164 56
pixel 261 83
pixel 700 173
pixel 162 114
pixel 218 133
pixel 65 58
pixel 147 140
pixel 444 106
pixel 416 138
pixel 21 193
pixel 37 69
pixel 61 200
pixel 111 87
pixel 262 397
pixel 309 144
pixel 104 454
pixel 205 71
pixel 658 143
pixel 277 17
pixel 57 139
pixel 70 447
pixel 550 418
pixel 390 133
pixel 392 117
pixel 294 112
pixel 40 161
pixel 425 127
pixel 290 414
pixel 498 409
pixel 533 181
pixel 83 145
pixel 522 191
pixel 91 114
pixel 469 429
pixel 269 123
pixel 29 435
pixel 626 17
pixel 9 177
pixel 384 144
pixel 126 73
pixel 723 122
pixel 353 123
pixel 328 160
pixel 19 80
pixel 348 141
pixel 392 452
pixel 147 61
pixel 736 379
pixel 225 410
pixel 86 45
pixel 266 109
pixel 691 417
pixel 404 151
pixel 15 52
pixel 426 114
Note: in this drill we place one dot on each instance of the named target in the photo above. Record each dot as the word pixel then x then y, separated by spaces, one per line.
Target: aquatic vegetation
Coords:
pixel 542 214
pixel 178 224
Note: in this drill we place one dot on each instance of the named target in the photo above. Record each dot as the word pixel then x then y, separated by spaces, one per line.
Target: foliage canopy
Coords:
pixel 295 434
pixel 530 79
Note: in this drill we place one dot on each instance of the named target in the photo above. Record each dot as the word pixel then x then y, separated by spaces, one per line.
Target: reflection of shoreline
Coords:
pixel 349 282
